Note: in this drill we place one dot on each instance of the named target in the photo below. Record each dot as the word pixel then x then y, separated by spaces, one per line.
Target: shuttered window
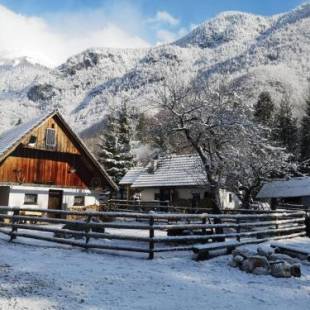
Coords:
pixel 50 138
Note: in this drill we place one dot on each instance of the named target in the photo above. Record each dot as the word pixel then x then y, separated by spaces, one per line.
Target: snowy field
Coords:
pixel 54 277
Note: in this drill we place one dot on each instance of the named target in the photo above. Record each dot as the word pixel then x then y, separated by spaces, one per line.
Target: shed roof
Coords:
pixel 293 187
pixel 169 171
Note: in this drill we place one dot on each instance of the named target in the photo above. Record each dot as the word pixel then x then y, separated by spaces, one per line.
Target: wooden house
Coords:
pixel 179 179
pixel 44 164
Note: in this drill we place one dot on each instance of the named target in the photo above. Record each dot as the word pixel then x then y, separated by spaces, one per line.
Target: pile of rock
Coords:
pixel 265 262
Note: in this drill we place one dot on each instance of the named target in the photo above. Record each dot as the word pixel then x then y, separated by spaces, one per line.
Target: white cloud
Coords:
pixel 166 36
pixel 164 17
pixel 52 44
pixel 51 39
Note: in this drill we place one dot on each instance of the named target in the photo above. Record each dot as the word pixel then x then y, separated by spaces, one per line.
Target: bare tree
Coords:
pixel 219 129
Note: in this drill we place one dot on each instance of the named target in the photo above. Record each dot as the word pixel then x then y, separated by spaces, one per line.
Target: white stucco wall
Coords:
pixel 187 193
pixel 229 200
pixel 149 194
pixel 17 196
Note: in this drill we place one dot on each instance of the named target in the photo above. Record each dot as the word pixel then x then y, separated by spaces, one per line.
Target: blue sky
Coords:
pixel 189 11
pixel 55 29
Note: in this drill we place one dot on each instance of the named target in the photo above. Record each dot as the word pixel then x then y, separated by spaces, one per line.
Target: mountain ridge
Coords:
pixel 254 52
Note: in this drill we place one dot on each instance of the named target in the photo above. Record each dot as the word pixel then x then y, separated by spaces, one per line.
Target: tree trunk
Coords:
pixel 216 209
pixel 246 201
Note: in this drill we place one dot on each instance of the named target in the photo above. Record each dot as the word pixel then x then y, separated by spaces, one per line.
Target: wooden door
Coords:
pixel 55 202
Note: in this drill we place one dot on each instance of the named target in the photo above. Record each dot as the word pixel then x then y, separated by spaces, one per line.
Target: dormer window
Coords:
pixel 50 138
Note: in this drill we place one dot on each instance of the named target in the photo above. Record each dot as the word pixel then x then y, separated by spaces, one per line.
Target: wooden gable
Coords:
pixel 63 142
pixel 66 164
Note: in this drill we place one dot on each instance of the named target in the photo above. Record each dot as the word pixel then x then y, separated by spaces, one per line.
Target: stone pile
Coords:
pixel 265 262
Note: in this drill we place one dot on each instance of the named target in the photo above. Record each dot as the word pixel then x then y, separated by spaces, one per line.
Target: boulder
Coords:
pixel 283 257
pixel 252 262
pixel 243 252
pixel 233 263
pixel 281 269
pixel 265 251
pixel 261 271
pixel 295 270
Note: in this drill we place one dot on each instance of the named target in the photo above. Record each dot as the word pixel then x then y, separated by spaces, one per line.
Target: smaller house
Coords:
pixel 179 179
pixel 293 191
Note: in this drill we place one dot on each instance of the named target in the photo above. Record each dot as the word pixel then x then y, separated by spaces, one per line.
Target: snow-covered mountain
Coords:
pixel 256 53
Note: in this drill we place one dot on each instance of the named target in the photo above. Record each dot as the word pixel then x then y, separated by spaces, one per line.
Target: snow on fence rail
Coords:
pixel 149 232
pixel 166 207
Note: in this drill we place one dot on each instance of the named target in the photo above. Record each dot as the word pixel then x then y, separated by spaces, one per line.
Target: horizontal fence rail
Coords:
pixel 150 232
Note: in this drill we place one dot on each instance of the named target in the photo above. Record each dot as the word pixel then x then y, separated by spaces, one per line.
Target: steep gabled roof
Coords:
pixel 294 187
pixel 10 139
pixel 13 136
pixel 169 171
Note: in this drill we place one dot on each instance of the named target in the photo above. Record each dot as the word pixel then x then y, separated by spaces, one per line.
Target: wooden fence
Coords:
pixel 148 233
pixel 293 207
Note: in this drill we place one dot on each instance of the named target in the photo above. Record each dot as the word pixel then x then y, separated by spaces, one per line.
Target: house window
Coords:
pixel 50 138
pixel 157 196
pixel 230 197
pixel 32 141
pixel 79 201
pixel 31 199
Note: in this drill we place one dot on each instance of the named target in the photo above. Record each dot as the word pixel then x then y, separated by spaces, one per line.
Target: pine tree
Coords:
pixel 264 108
pixel 140 128
pixel 125 155
pixel 108 154
pixel 305 133
pixel 285 130
pixel 114 151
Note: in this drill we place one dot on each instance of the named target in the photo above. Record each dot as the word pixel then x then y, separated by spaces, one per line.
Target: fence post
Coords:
pixel 87 229
pixel 204 221
pixel 238 229
pixel 14 228
pixel 277 226
pixel 151 235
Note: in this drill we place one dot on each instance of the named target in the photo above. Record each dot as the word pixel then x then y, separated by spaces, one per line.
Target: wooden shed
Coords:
pixel 44 164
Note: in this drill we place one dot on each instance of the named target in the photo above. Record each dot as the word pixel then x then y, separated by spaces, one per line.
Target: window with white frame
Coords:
pixel 50 137
pixel 31 199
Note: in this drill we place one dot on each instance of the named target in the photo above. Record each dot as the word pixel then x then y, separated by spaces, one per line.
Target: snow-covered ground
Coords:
pixel 54 277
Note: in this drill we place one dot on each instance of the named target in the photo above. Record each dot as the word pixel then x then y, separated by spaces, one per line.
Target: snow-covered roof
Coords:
pixel 131 175
pixel 174 170
pixel 293 187
pixel 12 136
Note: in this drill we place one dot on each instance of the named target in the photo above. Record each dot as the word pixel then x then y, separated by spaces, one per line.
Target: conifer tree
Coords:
pixel 108 154
pixel 140 128
pixel 124 149
pixel 114 151
pixel 285 130
pixel 305 133
pixel 264 109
